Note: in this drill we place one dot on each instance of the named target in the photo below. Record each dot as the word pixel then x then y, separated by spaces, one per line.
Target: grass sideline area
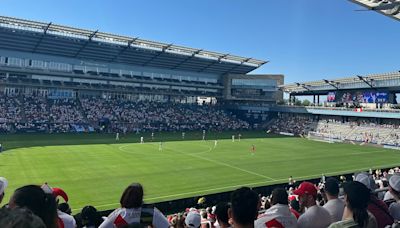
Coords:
pixel 94 169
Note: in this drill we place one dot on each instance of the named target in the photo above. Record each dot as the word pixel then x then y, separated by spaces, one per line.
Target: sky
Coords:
pixel 303 39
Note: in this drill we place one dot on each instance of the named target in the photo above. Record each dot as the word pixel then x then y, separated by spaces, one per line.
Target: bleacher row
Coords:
pixel 38 114
pixel 362 131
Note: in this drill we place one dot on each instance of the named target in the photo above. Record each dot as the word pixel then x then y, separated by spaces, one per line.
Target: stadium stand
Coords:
pixel 73 115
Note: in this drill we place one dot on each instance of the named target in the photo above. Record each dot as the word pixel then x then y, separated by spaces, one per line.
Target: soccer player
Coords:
pixel 204 134
pixel 117 136
pixel 239 136
pixel 141 140
pixel 215 143
pixel 233 138
pixel 152 136
pixel 183 135
pixel 253 149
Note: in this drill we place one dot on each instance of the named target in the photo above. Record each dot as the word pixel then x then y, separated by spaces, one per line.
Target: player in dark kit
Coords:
pixel 253 149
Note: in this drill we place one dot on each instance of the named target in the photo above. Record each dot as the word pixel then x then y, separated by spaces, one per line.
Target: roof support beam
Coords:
pixel 303 85
pixel 366 82
pixel 155 56
pixel 124 49
pixel 45 29
pixel 332 83
pixel 235 67
pixel 86 43
pixel 187 59
pixel 213 63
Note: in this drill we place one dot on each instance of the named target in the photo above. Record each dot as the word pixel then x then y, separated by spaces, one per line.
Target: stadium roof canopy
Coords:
pixel 390 8
pixel 387 81
pixel 51 39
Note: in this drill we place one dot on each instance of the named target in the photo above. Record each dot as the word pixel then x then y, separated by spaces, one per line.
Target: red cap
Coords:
pixel 60 192
pixel 306 188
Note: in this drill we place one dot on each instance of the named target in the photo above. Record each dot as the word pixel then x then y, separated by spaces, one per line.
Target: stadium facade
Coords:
pixel 57 62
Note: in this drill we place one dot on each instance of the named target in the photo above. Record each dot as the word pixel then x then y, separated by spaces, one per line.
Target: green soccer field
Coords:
pixel 94 169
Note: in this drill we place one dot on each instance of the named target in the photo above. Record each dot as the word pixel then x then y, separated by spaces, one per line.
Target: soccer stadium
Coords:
pixel 190 137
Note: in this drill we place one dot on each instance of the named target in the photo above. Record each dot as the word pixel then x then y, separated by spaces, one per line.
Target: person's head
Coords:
pixel 40 203
pixel 221 211
pixel 64 207
pixel 203 214
pixel 356 197
pixel 307 193
pixel 132 196
pixel 279 195
pixel 394 186
pixel 3 186
pixel 331 188
pixel 244 206
pixel 193 220
pixel 19 218
pixel 366 180
pixel 90 216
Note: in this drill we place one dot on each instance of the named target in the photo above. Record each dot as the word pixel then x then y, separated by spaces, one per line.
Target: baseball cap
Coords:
pixel 60 192
pixel 365 179
pixel 193 219
pixel 394 182
pixel 306 188
pixel 332 186
pixel 55 191
pixel 3 185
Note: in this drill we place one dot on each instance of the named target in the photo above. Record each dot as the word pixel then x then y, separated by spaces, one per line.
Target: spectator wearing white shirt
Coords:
pixel 334 206
pixel 315 216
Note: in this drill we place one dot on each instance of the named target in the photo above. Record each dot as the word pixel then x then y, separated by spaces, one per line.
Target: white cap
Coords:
pixel 3 185
pixel 394 182
pixel 366 179
pixel 193 219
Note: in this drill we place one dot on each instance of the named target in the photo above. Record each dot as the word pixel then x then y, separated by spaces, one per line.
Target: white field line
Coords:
pixel 247 184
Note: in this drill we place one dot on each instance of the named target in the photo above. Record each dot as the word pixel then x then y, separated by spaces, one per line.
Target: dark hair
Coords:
pixel 279 195
pixel 357 201
pixel 90 216
pixel 41 204
pixel 332 186
pixel 64 207
pixel 244 203
pixel 132 196
pixel 19 217
pixel 221 211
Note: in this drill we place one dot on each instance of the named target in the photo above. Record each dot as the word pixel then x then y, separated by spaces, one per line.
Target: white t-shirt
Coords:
pixel 278 214
pixel 68 220
pixel 132 215
pixel 335 207
pixel 388 196
pixel 315 217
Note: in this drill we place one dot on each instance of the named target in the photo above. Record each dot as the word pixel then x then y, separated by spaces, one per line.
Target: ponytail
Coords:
pixel 50 211
pixel 361 217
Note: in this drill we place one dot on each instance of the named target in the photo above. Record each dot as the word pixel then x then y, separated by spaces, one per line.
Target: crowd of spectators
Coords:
pixel 37 114
pixel 362 131
pixel 371 199
pixel 297 125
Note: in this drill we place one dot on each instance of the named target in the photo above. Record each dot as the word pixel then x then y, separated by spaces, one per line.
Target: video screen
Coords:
pixel 331 97
pixel 362 97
